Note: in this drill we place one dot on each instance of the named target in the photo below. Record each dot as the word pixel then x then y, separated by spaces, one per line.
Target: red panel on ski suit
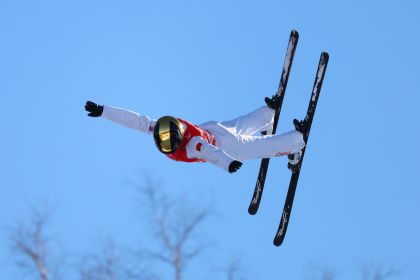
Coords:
pixel 191 131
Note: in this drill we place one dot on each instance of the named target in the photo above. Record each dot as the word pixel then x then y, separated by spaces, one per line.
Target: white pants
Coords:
pixel 238 137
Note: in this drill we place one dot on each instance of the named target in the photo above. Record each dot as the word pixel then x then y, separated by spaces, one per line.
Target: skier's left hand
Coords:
pixel 234 166
pixel 94 109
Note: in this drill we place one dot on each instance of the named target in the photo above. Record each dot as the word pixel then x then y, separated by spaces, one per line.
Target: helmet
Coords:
pixel 168 134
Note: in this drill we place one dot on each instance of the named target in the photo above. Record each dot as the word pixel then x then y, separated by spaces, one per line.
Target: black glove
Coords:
pixel 234 166
pixel 94 109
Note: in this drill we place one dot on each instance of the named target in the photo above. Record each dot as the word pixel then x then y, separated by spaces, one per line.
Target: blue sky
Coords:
pixel 357 199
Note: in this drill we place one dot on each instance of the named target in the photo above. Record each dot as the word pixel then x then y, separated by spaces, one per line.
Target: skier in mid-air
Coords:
pixel 224 144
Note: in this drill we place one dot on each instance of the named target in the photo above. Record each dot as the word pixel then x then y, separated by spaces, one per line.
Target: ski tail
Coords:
pixel 287 209
pixel 259 186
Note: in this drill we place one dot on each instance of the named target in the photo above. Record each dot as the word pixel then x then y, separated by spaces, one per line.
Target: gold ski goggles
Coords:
pixel 168 134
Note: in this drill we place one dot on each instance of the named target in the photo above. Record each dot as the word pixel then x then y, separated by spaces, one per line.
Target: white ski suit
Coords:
pixel 236 139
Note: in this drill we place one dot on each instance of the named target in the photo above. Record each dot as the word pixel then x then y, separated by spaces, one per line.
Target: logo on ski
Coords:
pixel 283 224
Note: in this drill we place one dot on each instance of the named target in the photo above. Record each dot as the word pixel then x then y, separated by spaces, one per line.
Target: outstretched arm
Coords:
pixel 200 148
pixel 121 116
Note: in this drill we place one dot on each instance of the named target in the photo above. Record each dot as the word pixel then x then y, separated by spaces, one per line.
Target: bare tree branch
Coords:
pixel 328 274
pixel 378 272
pixel 234 270
pixel 174 224
pixel 29 244
pixel 191 226
pixel 108 263
pixel 321 272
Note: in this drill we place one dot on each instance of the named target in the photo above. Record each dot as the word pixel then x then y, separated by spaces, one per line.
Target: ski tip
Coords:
pixel 294 33
pixel 277 241
pixel 325 55
pixel 252 210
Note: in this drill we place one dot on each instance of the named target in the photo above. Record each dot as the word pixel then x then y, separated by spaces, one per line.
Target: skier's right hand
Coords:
pixel 94 109
pixel 234 166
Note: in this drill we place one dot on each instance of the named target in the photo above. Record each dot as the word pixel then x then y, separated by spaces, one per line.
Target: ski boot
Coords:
pixel 300 125
pixel 272 102
pixel 295 158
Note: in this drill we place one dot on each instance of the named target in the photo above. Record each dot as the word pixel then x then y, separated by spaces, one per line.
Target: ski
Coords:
pixel 285 217
pixel 259 186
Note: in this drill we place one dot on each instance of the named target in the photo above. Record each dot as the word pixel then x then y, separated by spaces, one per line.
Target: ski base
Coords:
pixel 259 186
pixel 287 209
